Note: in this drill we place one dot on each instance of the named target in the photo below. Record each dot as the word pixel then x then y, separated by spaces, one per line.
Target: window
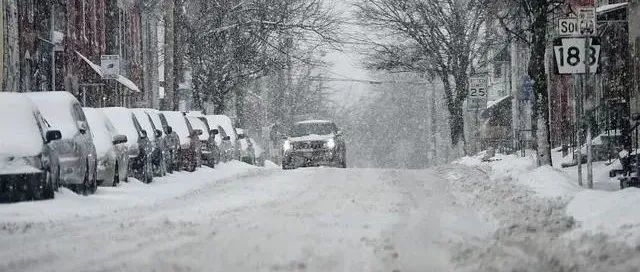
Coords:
pixel 497 70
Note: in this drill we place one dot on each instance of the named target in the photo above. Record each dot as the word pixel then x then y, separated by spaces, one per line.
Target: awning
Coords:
pixel 123 80
pixel 493 107
pixel 610 7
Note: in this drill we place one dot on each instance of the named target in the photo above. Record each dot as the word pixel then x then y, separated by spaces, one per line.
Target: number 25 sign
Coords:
pixel 570 55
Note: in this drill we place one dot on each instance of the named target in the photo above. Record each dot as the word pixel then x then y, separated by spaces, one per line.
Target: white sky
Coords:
pixel 347 64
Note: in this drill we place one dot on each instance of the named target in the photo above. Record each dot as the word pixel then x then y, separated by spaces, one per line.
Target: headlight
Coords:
pixel 330 144
pixel 35 161
pixel 287 146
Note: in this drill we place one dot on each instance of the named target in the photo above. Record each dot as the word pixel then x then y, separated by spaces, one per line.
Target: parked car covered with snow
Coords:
pixel 314 143
pixel 209 150
pixel 77 154
pixel 259 152
pixel 138 145
pixel 228 137
pixel 110 146
pixel 29 167
pixel 247 152
pixel 189 152
pixel 170 140
pixel 155 137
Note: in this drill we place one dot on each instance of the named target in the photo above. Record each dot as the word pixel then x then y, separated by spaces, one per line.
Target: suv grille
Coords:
pixel 309 145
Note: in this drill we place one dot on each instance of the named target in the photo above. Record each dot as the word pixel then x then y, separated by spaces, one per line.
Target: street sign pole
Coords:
pixel 588 112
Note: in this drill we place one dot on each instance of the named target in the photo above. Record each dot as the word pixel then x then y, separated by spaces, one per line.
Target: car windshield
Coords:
pixel 122 120
pixel 102 130
pixel 20 134
pixel 320 128
pixel 145 122
pixel 179 124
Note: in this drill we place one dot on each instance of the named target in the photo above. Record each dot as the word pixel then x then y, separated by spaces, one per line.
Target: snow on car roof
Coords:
pixel 121 118
pixel 102 130
pixel 57 109
pixel 178 123
pixel 314 122
pixel 20 135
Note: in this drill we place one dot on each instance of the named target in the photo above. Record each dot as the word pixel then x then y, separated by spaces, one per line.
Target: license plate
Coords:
pixel 306 150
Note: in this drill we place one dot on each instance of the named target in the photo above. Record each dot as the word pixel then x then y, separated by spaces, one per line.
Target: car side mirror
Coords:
pixel 144 134
pixel 214 132
pixel 53 135
pixel 241 136
pixel 169 130
pixel 119 139
pixel 197 132
pixel 83 126
pixel 158 133
pixel 226 138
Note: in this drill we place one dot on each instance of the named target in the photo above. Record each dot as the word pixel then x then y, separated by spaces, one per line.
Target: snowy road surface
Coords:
pixel 246 219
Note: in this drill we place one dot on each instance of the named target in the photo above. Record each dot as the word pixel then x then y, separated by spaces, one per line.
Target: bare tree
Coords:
pixel 439 37
pixel 232 42
pixel 528 21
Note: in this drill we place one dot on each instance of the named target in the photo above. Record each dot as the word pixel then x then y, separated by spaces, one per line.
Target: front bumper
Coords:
pixel 10 182
pixel 307 158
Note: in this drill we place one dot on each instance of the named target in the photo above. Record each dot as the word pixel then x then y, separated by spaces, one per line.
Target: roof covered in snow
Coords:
pixel 19 134
pixel 57 109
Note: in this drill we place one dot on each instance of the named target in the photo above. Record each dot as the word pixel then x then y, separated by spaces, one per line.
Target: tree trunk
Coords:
pixel 12 53
pixel 454 106
pixel 540 121
pixel 169 40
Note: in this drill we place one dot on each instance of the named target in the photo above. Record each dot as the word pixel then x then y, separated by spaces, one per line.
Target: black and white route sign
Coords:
pixel 587 20
pixel 570 55
pixel 568 27
pixel 477 98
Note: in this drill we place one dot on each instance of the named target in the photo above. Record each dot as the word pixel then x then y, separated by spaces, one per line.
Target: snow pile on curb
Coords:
pixel 596 212
pixel 545 181
pixel 613 213
pixel 131 195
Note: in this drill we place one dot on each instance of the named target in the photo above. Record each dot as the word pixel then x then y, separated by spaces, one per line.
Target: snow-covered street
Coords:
pixel 458 217
pixel 247 220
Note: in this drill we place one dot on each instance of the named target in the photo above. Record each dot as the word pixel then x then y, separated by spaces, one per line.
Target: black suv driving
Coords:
pixel 314 143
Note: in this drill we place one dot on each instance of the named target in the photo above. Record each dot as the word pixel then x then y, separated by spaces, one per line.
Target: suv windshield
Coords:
pixel 304 129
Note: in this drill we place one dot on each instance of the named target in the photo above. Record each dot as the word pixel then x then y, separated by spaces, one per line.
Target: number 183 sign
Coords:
pixel 570 55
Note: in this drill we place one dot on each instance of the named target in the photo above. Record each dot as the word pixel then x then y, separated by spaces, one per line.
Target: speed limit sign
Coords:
pixel 570 55
pixel 477 97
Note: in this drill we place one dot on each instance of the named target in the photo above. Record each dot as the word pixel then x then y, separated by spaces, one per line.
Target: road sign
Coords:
pixel 110 65
pixel 477 97
pixel 570 55
pixel 568 27
pixel 587 20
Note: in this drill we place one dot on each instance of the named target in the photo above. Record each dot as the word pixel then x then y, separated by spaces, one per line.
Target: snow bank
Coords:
pixel 544 181
pixel 596 212
pixel 131 195
pixel 613 213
